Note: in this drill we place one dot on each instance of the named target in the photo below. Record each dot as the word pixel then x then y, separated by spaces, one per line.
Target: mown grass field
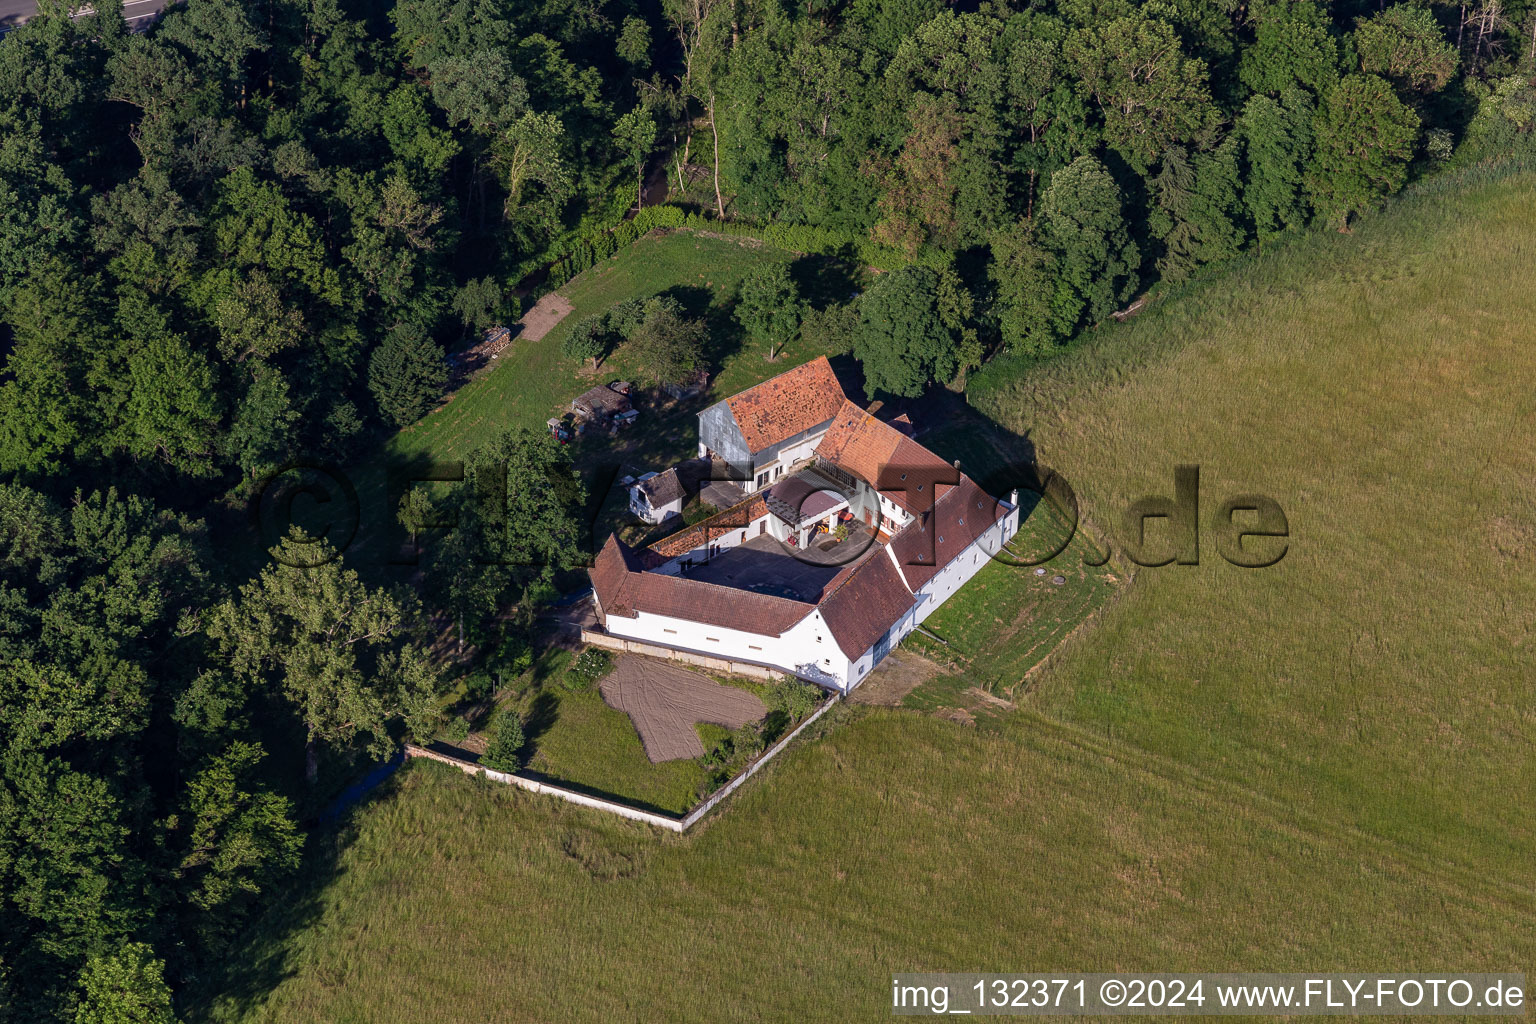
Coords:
pixel 1328 764
pixel 1009 617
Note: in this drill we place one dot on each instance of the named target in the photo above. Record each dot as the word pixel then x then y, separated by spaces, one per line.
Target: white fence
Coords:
pixel 613 807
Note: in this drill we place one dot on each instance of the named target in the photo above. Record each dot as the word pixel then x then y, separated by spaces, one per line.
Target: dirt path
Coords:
pixel 665 701
pixel 899 674
pixel 543 317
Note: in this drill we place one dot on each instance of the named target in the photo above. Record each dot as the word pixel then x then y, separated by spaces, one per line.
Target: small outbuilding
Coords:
pixel 657 497
pixel 600 404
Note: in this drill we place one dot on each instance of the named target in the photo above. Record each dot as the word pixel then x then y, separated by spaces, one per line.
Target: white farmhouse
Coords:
pixel 851 535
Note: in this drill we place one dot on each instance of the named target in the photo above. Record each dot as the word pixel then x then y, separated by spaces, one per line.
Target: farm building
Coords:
pixel 856 536
pixel 765 429
pixel 601 404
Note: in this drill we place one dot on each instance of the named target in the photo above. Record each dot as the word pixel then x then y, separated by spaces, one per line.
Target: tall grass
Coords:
pixel 1378 387
pixel 1326 764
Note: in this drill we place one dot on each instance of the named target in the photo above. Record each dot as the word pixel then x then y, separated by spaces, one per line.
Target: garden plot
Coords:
pixel 665 702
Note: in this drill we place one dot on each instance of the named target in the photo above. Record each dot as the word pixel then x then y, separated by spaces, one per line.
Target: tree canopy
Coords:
pixel 241 236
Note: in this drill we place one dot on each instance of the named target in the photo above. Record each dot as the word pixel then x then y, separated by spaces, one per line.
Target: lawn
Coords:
pixel 590 746
pixel 1010 617
pixel 533 380
pixel 575 740
pixel 1327 764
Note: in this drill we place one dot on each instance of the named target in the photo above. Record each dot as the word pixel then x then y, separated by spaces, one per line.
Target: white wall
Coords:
pixel 960 570
pixel 642 508
pixel 728 540
pixel 807 649
pixel 794 453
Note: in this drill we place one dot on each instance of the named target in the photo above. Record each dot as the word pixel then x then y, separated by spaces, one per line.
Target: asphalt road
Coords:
pixel 138 12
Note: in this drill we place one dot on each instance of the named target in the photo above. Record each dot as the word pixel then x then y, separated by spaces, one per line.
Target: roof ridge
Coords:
pixel 828 595
pixel 790 369
pixel 721 586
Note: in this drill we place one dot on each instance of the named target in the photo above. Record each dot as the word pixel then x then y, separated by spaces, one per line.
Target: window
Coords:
pixel 753 647
pixel 818 639
pixel 762 478
pixel 672 631
pixel 713 639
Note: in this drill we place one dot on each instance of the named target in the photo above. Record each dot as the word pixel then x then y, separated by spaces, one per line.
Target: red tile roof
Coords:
pixel 623 589
pixel 734 518
pixel 864 599
pixel 933 540
pixel 883 456
pixel 867 602
pixel 794 401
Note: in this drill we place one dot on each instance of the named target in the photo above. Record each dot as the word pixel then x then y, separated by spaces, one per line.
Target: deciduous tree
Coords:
pixel 339 652
pixel 769 307
pixel 1365 138
pixel 904 341
pixel 1083 228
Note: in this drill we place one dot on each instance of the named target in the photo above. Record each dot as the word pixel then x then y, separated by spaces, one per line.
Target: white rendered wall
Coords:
pixel 794 453
pixel 970 561
pixel 807 649
pixel 699 554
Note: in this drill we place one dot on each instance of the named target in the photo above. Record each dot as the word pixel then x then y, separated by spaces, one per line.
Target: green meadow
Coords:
pixel 533 380
pixel 1327 764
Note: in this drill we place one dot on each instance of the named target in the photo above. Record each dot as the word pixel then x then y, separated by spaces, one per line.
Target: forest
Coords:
pixel 253 232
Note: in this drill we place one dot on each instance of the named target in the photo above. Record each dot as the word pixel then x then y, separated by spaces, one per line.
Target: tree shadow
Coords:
pixel 541 718
pixel 825 280
pixel 723 335
pixel 263 957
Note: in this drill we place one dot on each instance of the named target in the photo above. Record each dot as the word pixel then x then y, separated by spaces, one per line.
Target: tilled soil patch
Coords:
pixel 665 701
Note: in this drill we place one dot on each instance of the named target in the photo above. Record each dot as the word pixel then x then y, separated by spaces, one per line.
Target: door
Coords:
pixel 883 646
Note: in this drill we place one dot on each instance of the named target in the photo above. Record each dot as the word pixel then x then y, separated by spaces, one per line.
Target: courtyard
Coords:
pixel 764 565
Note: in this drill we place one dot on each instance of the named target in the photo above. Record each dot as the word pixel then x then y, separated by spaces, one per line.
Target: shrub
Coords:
pixel 733 753
pixel 504 753
pixel 795 698
pixel 658 217
pixel 513 657
pixel 590 666
pixel 458 729
pixel 479 686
